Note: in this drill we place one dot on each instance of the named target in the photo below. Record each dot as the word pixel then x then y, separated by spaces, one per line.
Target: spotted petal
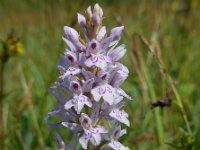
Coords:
pixel 78 102
pixel 98 61
pixel 71 71
pixel 117 146
pixel 84 139
pixel 120 115
pixel 106 91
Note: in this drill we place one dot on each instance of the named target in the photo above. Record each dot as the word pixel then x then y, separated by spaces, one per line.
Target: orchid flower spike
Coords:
pixel 88 89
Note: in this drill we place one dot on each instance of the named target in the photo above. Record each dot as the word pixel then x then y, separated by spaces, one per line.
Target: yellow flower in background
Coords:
pixel 12 45
pixel 16 48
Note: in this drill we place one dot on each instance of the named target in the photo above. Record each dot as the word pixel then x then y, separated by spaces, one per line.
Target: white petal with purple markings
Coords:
pixel 117 146
pixel 78 102
pixel 71 71
pixel 98 61
pixel 120 115
pixel 106 91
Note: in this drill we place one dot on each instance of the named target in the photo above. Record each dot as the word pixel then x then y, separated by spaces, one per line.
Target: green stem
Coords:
pixel 180 104
pixel 159 126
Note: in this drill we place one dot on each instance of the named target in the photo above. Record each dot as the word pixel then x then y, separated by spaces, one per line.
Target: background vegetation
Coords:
pixel 163 52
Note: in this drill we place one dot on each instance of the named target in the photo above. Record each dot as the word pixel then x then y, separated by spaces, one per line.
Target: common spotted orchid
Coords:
pixel 88 91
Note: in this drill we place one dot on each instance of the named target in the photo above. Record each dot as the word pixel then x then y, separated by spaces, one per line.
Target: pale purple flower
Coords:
pixel 90 134
pixel 120 115
pixel 117 146
pixel 112 138
pixel 98 61
pixel 88 89
pixel 106 91
pixel 78 101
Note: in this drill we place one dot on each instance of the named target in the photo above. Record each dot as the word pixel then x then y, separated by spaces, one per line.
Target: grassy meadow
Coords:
pixel 163 56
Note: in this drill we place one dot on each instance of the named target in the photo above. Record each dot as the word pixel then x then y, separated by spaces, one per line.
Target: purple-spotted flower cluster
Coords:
pixel 88 91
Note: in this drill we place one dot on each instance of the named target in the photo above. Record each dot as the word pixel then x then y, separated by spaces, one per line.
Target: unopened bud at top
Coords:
pixel 98 10
pixel 96 19
pixel 71 34
pixel 89 12
pixel 81 20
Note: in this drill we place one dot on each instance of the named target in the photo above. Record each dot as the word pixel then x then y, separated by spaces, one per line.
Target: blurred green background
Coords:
pixel 170 26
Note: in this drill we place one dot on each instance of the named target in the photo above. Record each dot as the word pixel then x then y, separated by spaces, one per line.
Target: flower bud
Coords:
pixel 98 10
pixel 89 12
pixel 71 34
pixel 96 20
pixel 81 20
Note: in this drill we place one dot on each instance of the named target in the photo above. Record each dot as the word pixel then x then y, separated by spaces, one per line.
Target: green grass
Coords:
pixel 167 24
